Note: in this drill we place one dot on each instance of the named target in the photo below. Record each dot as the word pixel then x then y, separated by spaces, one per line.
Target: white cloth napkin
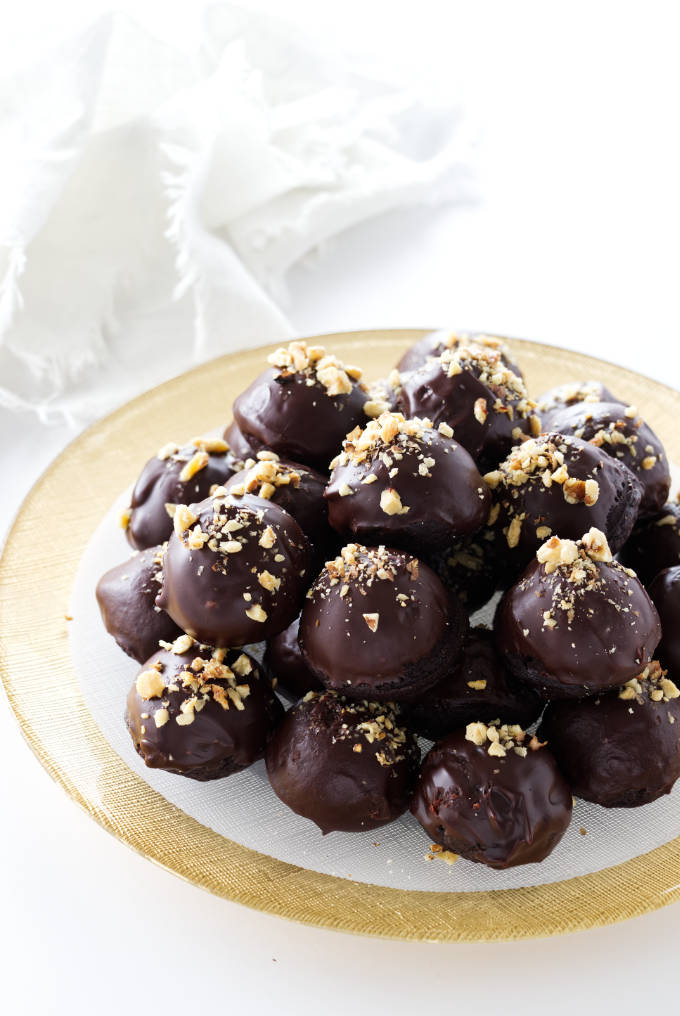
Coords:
pixel 153 198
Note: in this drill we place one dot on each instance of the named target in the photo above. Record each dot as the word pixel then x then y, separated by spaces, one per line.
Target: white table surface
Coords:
pixel 575 243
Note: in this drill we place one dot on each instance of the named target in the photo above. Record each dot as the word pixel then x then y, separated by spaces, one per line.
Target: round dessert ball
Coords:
pixel 285 664
pixel 563 486
pixel 126 596
pixel 303 405
pixel 622 749
pixel 472 390
pixel 298 489
pixel 200 712
pixel 618 430
pixel 665 594
pixel 403 483
pixel 493 795
pixel 175 476
pixel 346 765
pixel 577 622
pixel 654 543
pixel 378 624
pixel 569 394
pixel 478 687
pixel 435 343
pixel 235 570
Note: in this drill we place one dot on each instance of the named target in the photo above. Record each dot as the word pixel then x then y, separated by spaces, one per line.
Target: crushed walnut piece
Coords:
pixel 488 365
pixel 500 739
pixel 265 476
pixel 317 365
pixel 197 462
pixel 653 682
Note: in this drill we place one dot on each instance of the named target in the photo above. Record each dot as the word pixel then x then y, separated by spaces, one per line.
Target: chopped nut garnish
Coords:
pixel 183 519
pixel 256 613
pixel 317 365
pixel 167 451
pixel 372 621
pixel 477 685
pixel 161 717
pixel 390 502
pixel 125 517
pixel 648 462
pixel 268 581
pixel 150 684
pixel 268 538
pixel 197 462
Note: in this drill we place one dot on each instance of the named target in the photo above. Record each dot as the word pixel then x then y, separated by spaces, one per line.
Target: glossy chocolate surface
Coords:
pixel 237 572
pixel 378 624
pixel 297 413
pixel 285 664
pixel 204 724
pixel 435 343
pixel 242 447
pixel 654 543
pixel 618 430
pixel 617 752
pixel 401 482
pixel 579 629
pixel 499 811
pixel 345 765
pixel 665 594
pixel 570 394
pixel 161 482
pixel 478 687
pixel 562 486
pixel 126 596
pixel 472 389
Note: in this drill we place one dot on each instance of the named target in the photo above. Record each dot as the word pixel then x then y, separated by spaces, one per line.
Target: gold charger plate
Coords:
pixel 64 508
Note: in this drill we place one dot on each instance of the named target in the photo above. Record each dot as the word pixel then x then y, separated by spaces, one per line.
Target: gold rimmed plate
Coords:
pixel 36 576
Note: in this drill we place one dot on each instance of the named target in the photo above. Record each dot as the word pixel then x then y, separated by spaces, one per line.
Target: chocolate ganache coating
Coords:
pixel 435 343
pixel 298 489
pixel 199 712
pixel 621 749
pixel 285 664
pixel 348 766
pixel 493 795
pixel 401 482
pixel 618 430
pixel 175 475
pixel 378 624
pixel 303 405
pixel 243 448
pixel 235 570
pixel 577 622
pixel 562 486
pixel 569 394
pixel 470 389
pixel 665 594
pixel 126 596
pixel 478 687
pixel 654 543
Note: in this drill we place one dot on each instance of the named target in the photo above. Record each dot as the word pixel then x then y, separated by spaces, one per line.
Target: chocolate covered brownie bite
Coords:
pixel 199 712
pixel 621 432
pixel 478 687
pixel 303 405
pixel 494 795
pixel 654 543
pixel 555 485
pixel 345 765
pixel 235 569
pixel 435 343
pixel 378 624
pixel 577 622
pixel 570 394
pixel 175 475
pixel 127 595
pixel 620 749
pixel 298 489
pixel 471 389
pixel 403 483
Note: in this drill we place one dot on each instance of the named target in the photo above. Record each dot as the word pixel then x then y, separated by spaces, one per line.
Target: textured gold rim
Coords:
pixel 67 504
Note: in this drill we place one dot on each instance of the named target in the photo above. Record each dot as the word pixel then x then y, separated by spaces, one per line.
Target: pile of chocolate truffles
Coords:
pixel 353 528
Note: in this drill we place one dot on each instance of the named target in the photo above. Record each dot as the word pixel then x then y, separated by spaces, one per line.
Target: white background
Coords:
pixel 575 242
